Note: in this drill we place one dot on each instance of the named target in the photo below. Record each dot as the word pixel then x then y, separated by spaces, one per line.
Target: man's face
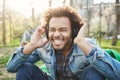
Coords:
pixel 60 33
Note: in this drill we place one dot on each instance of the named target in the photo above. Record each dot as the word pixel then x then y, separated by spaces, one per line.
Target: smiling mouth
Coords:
pixel 58 42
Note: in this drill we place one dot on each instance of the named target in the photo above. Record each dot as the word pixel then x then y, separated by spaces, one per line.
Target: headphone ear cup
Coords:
pixel 75 31
pixel 47 31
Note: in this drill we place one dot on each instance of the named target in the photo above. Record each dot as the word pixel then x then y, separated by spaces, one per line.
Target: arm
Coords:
pixel 98 58
pixel 23 55
pixel 37 41
pixel 18 59
pixel 85 46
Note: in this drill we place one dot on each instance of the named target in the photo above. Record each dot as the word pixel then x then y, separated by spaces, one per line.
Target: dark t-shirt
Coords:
pixel 62 68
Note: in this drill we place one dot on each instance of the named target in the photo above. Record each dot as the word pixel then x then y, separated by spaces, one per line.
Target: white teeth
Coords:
pixel 58 41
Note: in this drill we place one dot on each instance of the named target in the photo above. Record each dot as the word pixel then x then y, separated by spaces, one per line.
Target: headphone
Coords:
pixel 47 31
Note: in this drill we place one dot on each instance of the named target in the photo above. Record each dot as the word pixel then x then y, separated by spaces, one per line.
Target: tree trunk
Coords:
pixel 50 3
pixel 11 28
pixel 64 2
pixel 3 25
pixel 71 3
pixel 116 28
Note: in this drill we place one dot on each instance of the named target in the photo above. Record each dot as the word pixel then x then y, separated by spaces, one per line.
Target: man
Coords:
pixel 71 56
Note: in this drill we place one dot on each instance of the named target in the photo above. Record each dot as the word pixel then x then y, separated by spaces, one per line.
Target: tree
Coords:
pixel 116 28
pixel 64 2
pixel 3 25
pixel 71 3
pixel 89 15
pixel 50 3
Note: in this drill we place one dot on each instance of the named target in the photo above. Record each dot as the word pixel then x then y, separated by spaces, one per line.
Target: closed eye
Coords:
pixel 63 29
pixel 51 30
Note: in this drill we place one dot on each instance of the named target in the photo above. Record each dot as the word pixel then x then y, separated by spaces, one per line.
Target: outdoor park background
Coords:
pixel 20 17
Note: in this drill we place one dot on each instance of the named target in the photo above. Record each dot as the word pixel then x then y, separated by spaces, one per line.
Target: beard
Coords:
pixel 67 46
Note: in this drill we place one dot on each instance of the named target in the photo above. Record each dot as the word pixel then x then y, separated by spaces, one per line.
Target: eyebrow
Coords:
pixel 60 27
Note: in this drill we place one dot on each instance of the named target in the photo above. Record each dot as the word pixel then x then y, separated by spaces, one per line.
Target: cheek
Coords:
pixel 68 35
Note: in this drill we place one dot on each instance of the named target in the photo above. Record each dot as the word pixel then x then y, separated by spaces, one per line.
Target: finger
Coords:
pixel 83 30
pixel 81 24
pixel 41 29
pixel 43 41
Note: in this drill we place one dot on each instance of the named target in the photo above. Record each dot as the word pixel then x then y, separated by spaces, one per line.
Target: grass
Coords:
pixel 3 61
pixel 5 53
pixel 108 43
pixel 14 43
pixel 7 79
pixel 105 44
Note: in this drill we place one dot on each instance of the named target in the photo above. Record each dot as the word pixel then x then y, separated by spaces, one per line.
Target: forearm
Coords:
pixel 28 49
pixel 105 64
pixel 16 60
pixel 84 45
pixel 19 58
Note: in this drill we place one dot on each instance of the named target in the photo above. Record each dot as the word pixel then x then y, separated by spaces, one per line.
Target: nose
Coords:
pixel 56 34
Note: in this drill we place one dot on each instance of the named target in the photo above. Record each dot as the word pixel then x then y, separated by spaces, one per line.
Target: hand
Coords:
pixel 81 34
pixel 84 45
pixel 37 39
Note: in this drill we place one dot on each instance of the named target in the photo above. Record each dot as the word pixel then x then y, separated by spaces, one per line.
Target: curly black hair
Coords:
pixel 66 11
